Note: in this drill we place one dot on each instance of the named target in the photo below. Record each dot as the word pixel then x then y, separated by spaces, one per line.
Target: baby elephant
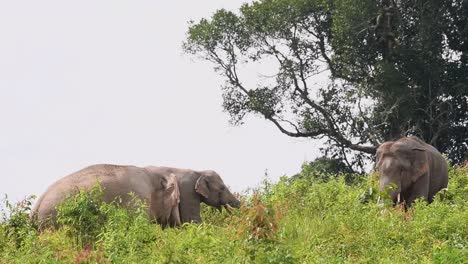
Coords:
pixel 173 195
pixel 415 167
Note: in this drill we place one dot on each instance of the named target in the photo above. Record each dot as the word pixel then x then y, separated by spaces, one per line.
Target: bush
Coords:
pixel 324 169
pixel 16 225
pixel 82 215
pixel 292 221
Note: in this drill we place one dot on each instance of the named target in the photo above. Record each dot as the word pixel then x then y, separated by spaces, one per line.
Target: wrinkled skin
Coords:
pixel 196 187
pixel 173 195
pixel 416 168
pixel 159 192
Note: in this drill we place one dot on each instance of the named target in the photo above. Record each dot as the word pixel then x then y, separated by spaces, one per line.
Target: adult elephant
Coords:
pixel 415 167
pixel 158 187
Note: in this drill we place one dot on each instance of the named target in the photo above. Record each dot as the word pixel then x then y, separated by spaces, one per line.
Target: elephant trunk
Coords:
pixel 232 201
pixel 392 189
pixel 235 203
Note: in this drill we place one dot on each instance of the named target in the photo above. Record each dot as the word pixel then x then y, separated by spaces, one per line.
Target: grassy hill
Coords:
pixel 307 219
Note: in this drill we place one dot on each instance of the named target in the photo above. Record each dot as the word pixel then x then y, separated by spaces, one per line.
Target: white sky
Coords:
pixel 86 82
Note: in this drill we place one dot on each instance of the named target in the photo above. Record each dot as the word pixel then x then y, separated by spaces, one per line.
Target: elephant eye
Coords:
pixel 222 188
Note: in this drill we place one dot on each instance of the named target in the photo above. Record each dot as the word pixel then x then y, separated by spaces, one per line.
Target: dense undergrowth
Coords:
pixel 308 219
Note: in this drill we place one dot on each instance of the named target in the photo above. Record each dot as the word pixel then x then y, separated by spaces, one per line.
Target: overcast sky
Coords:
pixel 86 82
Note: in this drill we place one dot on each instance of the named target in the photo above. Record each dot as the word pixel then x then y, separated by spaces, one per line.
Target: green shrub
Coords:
pixel 291 221
pixel 16 225
pixel 324 169
pixel 82 216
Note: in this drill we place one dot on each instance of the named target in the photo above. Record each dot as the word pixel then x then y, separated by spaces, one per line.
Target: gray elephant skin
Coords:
pixel 173 195
pixel 415 167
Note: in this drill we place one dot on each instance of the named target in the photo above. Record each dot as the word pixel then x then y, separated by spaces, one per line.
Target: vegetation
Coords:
pixel 355 72
pixel 324 168
pixel 297 220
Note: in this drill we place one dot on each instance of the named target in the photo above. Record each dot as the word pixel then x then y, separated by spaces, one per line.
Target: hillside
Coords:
pixel 307 219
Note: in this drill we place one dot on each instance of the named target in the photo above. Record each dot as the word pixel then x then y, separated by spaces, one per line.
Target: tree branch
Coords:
pixel 296 134
pixel 333 131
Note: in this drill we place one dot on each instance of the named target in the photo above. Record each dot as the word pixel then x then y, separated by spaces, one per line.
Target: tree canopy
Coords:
pixel 392 68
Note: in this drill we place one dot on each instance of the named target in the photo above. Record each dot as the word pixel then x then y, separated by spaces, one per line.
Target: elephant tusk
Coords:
pixel 380 202
pixel 398 198
pixel 228 208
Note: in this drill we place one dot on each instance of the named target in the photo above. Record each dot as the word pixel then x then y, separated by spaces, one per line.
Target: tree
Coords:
pixel 323 169
pixel 393 69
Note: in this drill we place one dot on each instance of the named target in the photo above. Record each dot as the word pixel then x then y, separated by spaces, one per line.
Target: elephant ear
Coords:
pixel 419 163
pixel 201 186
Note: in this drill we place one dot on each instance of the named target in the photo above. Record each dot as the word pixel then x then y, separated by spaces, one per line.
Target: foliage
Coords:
pixel 82 214
pixel 324 169
pixel 16 224
pixel 355 72
pixel 299 220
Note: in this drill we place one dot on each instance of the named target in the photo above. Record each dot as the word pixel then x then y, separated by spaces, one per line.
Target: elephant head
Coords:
pixel 214 192
pixel 402 163
pixel 164 202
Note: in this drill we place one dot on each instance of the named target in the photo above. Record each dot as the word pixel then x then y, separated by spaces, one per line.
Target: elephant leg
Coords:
pixel 419 189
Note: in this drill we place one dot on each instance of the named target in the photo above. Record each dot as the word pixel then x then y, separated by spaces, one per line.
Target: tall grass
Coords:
pixel 301 220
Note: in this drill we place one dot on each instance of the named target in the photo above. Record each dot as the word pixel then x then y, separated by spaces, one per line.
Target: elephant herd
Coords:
pixel 173 196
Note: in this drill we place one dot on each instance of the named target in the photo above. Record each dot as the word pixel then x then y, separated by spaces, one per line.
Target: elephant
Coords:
pixel 416 168
pixel 159 192
pixel 196 187
pixel 173 195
